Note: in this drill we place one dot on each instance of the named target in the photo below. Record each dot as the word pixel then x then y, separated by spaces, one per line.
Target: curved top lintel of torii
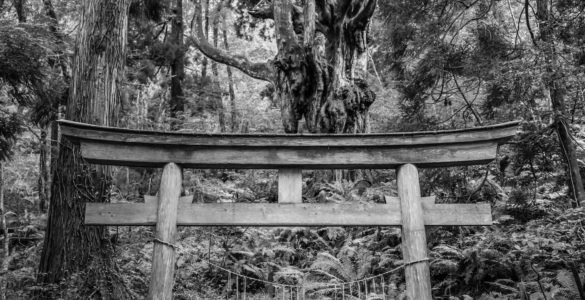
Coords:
pixel 127 147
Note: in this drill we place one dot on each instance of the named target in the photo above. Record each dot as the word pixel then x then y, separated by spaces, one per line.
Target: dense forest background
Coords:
pixel 245 66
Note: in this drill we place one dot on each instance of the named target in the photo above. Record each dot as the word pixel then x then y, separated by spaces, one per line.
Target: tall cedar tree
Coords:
pixel 177 101
pixel 318 71
pixel 556 84
pixel 94 97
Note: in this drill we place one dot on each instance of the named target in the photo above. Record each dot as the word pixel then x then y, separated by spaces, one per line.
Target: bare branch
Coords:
pixel 526 4
pixel 469 105
pixel 263 71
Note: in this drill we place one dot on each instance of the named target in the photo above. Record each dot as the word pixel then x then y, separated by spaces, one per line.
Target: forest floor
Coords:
pixel 532 252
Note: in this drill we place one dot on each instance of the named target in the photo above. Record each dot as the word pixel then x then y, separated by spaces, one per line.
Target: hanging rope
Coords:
pixel 333 284
pixel 297 288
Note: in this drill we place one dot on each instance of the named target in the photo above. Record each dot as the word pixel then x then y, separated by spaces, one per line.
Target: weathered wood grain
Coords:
pixel 153 200
pixel 278 157
pixel 269 214
pixel 104 145
pixel 163 257
pixel 428 201
pixel 290 186
pixel 80 131
pixel 414 241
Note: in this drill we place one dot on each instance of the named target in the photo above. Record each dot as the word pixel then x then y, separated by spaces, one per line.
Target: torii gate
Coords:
pixel 289 154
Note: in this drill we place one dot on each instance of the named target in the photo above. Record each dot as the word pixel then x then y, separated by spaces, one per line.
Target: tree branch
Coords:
pixel 528 23
pixel 263 71
pixel 475 114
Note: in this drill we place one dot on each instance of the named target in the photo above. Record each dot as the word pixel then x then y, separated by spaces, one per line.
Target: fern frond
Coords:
pixel 567 281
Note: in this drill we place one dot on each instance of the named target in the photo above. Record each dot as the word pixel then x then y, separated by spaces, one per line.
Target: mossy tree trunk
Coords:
pixel 319 70
pixel 94 97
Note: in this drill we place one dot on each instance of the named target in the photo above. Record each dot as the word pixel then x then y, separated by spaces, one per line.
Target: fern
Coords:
pixel 349 265
pixel 569 287
pixel 289 275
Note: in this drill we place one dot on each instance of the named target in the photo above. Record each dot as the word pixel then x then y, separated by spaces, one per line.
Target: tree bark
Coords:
pixel 43 171
pixel 214 70
pixel 20 7
pixel 6 244
pixel 177 103
pixel 206 29
pixel 231 91
pixel 94 97
pixel 62 61
pixel 54 144
pixel 555 82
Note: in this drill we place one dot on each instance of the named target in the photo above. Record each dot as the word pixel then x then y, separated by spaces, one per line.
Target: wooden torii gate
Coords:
pixel 289 154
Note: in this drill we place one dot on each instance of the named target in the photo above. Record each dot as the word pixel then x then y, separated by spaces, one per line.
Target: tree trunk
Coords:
pixel 6 244
pixel 231 91
pixel 53 27
pixel 318 70
pixel 54 144
pixel 94 97
pixel 220 106
pixel 20 7
pixel 62 61
pixel 43 172
pixel 206 17
pixel 317 79
pixel 555 82
pixel 177 103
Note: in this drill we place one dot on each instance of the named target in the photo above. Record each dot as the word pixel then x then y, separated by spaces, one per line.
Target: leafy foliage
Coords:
pixel 10 127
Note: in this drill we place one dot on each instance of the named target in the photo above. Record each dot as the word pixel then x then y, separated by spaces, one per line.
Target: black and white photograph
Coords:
pixel 292 149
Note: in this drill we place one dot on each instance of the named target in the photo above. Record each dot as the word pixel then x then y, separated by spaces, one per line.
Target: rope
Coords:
pixel 334 285
pixel 290 286
pixel 164 243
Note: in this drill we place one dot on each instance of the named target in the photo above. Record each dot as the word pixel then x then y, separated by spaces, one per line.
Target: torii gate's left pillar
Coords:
pixel 163 258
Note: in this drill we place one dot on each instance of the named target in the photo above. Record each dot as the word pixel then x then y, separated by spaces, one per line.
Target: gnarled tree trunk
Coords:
pixel 317 71
pixel 94 97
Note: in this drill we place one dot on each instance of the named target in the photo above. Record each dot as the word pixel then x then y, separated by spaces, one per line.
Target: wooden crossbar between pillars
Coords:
pixel 414 241
pixel 287 214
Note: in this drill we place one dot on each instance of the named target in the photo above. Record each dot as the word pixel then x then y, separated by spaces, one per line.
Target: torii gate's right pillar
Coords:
pixel 414 241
